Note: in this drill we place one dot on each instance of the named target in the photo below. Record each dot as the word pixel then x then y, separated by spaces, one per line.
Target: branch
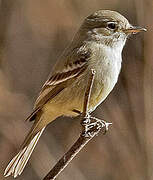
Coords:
pixel 91 126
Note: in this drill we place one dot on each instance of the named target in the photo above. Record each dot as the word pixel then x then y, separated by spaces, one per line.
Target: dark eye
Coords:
pixel 112 25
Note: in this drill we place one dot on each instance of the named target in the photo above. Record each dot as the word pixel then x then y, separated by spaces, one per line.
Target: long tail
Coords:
pixel 18 163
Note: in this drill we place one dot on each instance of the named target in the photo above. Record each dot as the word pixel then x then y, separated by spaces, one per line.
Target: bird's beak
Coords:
pixel 134 30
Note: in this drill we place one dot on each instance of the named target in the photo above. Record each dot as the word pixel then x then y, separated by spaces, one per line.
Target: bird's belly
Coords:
pixel 103 86
pixel 72 97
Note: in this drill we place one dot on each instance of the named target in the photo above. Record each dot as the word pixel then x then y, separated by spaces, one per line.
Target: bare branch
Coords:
pixel 88 92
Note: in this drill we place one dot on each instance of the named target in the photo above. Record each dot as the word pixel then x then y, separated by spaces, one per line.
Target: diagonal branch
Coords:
pixel 88 92
pixel 91 126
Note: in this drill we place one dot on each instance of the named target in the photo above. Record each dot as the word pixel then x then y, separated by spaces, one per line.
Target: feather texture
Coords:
pixel 18 163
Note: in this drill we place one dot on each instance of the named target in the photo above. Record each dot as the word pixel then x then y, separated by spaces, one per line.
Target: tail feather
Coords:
pixel 18 163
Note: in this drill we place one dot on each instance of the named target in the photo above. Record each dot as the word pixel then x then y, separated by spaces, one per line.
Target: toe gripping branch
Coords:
pixel 91 126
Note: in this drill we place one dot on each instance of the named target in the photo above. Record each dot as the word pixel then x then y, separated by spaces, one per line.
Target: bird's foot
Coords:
pixel 93 125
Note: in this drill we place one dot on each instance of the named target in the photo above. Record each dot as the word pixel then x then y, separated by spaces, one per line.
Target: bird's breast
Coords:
pixel 107 63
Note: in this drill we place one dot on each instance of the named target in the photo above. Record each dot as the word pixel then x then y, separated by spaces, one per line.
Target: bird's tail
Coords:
pixel 18 163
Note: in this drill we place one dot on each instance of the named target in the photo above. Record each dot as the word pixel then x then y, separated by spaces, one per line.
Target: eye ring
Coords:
pixel 112 25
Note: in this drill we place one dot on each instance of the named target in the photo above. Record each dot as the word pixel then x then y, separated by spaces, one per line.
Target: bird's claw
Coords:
pixel 94 125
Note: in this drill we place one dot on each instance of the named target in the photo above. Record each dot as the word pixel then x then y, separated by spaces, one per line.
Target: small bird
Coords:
pixel 97 45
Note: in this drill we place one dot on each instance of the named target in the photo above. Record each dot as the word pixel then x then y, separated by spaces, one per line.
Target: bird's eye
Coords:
pixel 112 25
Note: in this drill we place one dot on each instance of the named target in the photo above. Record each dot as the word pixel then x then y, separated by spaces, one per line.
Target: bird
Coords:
pixel 97 45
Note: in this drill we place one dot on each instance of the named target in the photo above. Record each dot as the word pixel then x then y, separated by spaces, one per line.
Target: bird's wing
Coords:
pixel 60 79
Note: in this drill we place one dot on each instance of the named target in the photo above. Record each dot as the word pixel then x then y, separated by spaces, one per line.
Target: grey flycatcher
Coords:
pixel 97 45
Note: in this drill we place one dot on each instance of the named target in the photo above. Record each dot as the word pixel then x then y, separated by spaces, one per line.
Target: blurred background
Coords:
pixel 33 33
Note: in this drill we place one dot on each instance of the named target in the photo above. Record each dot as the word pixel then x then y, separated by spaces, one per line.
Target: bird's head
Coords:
pixel 108 27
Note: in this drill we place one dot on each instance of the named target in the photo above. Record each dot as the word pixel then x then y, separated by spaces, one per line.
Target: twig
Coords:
pixel 91 127
pixel 88 92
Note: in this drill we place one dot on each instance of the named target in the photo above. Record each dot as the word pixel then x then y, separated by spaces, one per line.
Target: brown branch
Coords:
pixel 90 127
pixel 88 92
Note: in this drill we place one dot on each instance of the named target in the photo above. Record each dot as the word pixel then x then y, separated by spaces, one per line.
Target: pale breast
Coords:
pixel 107 63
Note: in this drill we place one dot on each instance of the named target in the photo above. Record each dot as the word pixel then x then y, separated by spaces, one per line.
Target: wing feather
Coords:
pixel 56 84
pixel 60 79
pixel 69 72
